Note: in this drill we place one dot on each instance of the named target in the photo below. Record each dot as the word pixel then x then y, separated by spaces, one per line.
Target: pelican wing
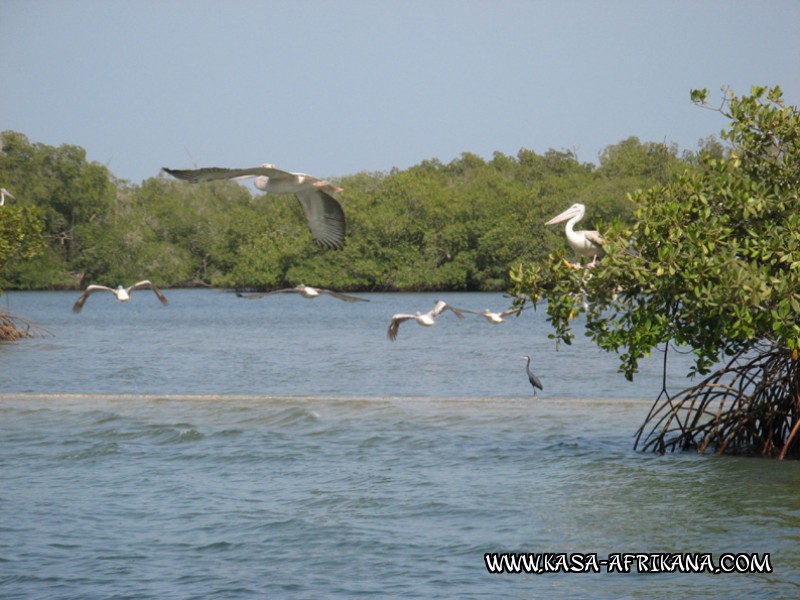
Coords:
pixel 146 283
pixel 215 173
pixel 512 310
pixel 78 306
pixel 254 296
pixel 341 296
pixel 593 237
pixel 394 325
pixel 325 217
pixel 442 306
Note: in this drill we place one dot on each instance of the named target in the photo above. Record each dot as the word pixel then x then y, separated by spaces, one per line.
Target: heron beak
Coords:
pixel 567 214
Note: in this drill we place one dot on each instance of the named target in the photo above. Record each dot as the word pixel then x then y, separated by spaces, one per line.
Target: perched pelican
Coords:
pixel 426 319
pixel 122 294
pixel 496 317
pixel 585 243
pixel 3 193
pixel 307 292
pixel 535 381
pixel 324 214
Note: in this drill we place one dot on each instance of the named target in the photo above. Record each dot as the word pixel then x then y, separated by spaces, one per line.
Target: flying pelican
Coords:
pixel 3 193
pixel 496 317
pixel 122 294
pixel 324 214
pixel 535 381
pixel 585 243
pixel 425 319
pixel 307 292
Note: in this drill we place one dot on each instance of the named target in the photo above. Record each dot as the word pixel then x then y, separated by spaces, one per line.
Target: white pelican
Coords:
pixel 425 319
pixel 3 193
pixel 496 317
pixel 585 243
pixel 324 214
pixel 122 294
pixel 307 292
pixel 535 381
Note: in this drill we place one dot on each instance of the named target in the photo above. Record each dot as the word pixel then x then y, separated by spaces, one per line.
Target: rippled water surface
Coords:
pixel 284 448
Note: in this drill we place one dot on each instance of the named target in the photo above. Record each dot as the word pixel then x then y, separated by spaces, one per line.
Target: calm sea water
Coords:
pixel 284 448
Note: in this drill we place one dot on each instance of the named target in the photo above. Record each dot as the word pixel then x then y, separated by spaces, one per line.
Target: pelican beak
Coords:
pixel 328 187
pixel 567 214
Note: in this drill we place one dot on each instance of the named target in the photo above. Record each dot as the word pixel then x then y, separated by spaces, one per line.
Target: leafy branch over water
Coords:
pixel 712 262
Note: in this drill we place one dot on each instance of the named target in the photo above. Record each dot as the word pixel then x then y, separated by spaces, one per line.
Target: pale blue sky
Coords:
pixel 340 86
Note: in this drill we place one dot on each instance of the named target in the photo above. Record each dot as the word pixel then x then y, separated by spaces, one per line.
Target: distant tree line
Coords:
pixel 455 226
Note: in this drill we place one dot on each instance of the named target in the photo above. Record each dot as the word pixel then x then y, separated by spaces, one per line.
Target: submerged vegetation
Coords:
pixel 14 327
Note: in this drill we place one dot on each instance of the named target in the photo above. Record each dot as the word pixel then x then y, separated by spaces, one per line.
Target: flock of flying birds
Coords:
pixel 326 220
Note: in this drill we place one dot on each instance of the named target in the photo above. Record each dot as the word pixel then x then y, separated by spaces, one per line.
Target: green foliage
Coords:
pixel 20 240
pixel 459 226
pixel 712 260
pixel 20 234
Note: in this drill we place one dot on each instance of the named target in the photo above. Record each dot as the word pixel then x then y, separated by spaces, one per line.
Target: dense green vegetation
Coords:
pixel 711 261
pixel 458 226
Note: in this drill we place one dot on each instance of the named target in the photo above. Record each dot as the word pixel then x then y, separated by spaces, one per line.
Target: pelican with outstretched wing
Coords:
pixel 497 317
pixel 122 294
pixel 425 319
pixel 323 212
pixel 307 292
pixel 585 243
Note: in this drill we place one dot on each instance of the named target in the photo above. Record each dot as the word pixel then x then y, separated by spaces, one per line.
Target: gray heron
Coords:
pixel 122 294
pixel 307 292
pixel 3 193
pixel 324 214
pixel 535 381
pixel 425 319
pixel 584 243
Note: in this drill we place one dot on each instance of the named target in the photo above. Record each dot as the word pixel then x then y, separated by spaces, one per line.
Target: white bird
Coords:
pixel 585 243
pixel 122 294
pixel 307 292
pixel 323 213
pixel 3 193
pixel 497 317
pixel 425 319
